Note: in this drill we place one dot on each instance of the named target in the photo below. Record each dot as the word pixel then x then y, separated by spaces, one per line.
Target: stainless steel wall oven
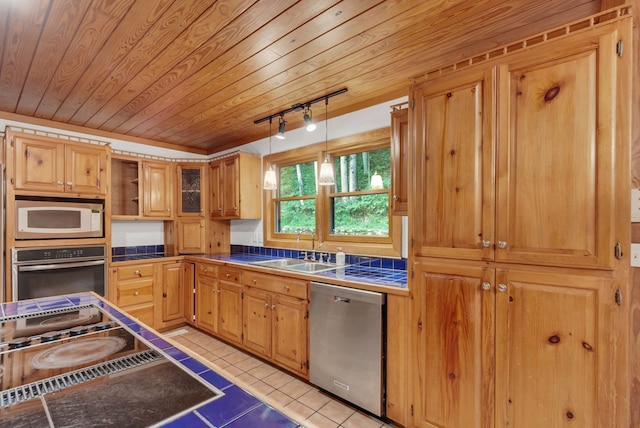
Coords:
pixel 51 271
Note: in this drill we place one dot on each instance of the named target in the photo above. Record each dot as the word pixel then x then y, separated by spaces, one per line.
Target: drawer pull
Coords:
pixel 228 275
pixel 254 281
pixel 266 305
pixel 273 307
pixel 136 293
pixel 137 272
pixel 286 288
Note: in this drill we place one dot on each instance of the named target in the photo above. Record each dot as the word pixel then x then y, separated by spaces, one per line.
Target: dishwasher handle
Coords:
pixel 339 299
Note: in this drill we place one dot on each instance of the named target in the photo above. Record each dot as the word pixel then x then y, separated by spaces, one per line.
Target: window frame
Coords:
pixel 365 245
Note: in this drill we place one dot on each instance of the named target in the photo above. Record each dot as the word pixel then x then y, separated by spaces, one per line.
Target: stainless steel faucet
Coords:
pixel 312 257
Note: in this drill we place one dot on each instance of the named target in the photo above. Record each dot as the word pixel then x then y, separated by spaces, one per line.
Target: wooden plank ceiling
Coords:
pixel 196 74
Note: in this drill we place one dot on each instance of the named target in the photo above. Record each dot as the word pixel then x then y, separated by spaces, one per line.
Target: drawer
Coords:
pixel 135 292
pixel 144 314
pixel 229 274
pixel 276 284
pixel 135 271
pixel 207 269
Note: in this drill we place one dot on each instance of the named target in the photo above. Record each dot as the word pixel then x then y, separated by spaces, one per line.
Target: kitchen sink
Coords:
pixel 296 265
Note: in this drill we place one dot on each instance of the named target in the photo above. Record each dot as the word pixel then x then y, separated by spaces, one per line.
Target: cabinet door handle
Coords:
pixel 502 288
pixel 486 243
pixel 395 197
pixel 164 295
pixel 228 275
pixel 266 305
pixel 136 293
pixel 486 286
pixel 168 209
pixel 502 244
pixel 69 183
pixel 59 182
pixel 254 280
pixel 137 272
pixel 273 306
pixel 286 288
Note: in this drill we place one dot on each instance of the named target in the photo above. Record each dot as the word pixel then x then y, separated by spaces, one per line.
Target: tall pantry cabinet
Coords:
pixel 518 215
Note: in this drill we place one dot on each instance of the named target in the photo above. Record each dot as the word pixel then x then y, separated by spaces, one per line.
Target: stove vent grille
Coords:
pixel 46 312
pixel 56 383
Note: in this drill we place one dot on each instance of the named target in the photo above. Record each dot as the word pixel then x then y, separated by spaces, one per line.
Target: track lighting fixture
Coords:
pixel 281 127
pixel 308 119
pixel 270 182
pixel 326 177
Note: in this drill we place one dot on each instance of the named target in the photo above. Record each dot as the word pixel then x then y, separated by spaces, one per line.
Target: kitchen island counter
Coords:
pixel 231 407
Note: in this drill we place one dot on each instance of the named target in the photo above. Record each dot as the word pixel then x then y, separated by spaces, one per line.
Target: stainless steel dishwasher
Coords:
pixel 346 355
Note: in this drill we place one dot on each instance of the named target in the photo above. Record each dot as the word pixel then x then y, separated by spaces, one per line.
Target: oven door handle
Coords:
pixel 59 266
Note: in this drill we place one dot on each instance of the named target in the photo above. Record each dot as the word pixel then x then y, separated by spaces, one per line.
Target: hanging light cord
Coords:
pixel 326 128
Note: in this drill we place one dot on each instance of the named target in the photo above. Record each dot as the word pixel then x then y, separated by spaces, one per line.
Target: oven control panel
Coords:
pixel 58 253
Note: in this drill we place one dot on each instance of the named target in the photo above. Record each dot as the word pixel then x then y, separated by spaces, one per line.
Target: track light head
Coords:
pixel 281 127
pixel 308 120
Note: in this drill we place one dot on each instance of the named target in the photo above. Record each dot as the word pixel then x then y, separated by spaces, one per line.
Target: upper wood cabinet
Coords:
pixel 157 190
pixel 551 159
pixel 399 158
pixel 191 235
pixel 125 187
pixel 49 165
pixel 191 190
pixel 235 187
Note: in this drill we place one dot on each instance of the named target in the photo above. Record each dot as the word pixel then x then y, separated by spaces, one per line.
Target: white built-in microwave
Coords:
pixel 58 220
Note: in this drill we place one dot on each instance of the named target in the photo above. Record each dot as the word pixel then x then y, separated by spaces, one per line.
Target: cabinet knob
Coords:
pixel 235 208
pixel 266 305
pixel 502 244
pixel 168 209
pixel 69 183
pixel 218 291
pixel 502 287
pixel 273 306
pixel 486 243
pixel 254 280
pixel 137 272
pixel 205 270
pixel 286 288
pixel 164 295
pixel 136 293
pixel 228 275
pixel 59 182
pixel 395 197
pixel 486 286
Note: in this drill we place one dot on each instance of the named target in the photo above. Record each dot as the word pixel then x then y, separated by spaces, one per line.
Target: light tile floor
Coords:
pixel 301 401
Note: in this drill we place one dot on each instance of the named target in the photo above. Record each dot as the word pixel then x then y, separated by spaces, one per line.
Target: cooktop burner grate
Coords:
pixel 55 383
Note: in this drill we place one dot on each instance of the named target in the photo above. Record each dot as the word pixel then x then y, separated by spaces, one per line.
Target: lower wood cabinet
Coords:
pixel 511 347
pixel 230 304
pixel 177 279
pixel 133 287
pixel 207 297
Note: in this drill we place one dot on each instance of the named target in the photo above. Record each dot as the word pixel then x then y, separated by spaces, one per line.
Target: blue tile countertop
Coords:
pixel 360 273
pixel 236 408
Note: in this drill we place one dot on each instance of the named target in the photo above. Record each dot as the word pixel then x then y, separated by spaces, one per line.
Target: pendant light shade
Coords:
pixel 270 182
pixel 326 177
pixel 376 181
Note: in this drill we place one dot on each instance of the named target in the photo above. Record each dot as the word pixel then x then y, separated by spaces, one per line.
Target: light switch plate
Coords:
pixel 635 255
pixel 635 205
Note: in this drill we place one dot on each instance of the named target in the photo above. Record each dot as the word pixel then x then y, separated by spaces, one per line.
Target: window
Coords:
pixel 350 214
pixel 354 208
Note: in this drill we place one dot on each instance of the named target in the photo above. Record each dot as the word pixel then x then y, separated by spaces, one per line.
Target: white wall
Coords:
pixel 243 232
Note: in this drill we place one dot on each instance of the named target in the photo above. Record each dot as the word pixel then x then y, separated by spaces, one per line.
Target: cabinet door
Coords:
pixel 556 156
pixel 86 169
pixel 157 190
pixel 290 333
pixel 454 201
pixel 125 187
pixel 207 304
pixel 399 160
pixel 39 165
pixel 555 350
pixel 215 189
pixel 230 311
pixel 256 314
pixel 190 196
pixel 231 187
pixel 191 236
pixel 172 292
pixel 452 344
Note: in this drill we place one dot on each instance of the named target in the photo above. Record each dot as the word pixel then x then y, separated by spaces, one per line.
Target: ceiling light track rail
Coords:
pixel 300 106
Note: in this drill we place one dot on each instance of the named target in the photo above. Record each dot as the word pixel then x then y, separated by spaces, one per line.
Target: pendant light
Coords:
pixel 376 181
pixel 308 119
pixel 326 177
pixel 281 127
pixel 270 182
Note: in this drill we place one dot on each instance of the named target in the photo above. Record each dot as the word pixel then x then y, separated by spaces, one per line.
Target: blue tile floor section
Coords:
pixel 235 407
